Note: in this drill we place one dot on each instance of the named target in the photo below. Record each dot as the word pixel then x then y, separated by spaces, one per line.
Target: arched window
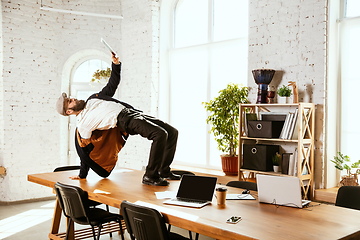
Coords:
pixel 81 85
pixel 76 82
pixel 207 45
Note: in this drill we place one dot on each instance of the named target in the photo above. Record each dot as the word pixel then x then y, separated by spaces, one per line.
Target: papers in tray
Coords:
pixel 239 197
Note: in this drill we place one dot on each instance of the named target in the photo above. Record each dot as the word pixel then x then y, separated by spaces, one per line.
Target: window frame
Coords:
pixel 336 13
pixel 66 75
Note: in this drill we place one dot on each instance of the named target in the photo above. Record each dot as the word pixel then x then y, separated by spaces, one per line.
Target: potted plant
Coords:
pixel 340 161
pixel 224 121
pixel 284 92
pixel 276 162
pixel 100 75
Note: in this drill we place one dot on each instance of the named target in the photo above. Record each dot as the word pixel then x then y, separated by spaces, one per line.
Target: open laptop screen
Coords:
pixel 196 187
pixel 279 190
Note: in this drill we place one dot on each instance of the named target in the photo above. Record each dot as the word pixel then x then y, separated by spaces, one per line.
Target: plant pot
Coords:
pixel 276 168
pixel 283 100
pixel 229 165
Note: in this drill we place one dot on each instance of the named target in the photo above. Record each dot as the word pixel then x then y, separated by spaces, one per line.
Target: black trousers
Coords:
pixel 163 136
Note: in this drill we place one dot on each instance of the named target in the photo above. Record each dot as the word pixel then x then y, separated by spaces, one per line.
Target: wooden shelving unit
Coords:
pixel 304 141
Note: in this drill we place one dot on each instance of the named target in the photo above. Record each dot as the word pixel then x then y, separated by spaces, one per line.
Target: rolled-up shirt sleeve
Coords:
pixel 84 133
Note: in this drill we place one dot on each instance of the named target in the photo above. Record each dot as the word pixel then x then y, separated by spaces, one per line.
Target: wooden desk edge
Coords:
pixel 32 178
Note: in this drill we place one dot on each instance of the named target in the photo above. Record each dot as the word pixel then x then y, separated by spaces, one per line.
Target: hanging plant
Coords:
pixel 99 75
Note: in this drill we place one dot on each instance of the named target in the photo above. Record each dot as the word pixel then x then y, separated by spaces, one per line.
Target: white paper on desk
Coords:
pixel 100 191
pixel 239 197
pixel 165 195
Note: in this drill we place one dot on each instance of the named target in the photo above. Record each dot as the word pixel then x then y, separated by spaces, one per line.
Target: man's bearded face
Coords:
pixel 80 105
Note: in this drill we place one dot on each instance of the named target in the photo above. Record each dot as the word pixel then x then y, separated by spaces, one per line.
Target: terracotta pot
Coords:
pixel 229 165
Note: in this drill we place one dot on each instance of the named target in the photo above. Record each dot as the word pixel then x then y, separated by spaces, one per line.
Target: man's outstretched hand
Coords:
pixel 76 177
pixel 115 59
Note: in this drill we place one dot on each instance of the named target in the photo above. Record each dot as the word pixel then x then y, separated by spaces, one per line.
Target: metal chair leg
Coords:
pixel 68 229
pixel 99 230
pixel 121 230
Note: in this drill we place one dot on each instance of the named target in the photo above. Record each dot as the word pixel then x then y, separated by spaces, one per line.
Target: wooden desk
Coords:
pixel 259 221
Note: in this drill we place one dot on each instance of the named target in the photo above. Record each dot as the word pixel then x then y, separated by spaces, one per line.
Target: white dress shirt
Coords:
pixel 98 114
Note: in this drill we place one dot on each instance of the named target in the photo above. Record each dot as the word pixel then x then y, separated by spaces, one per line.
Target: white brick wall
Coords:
pixel 289 36
pixel 37 43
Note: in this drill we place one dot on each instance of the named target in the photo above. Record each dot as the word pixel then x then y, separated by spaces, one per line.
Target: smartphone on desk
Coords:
pixel 233 219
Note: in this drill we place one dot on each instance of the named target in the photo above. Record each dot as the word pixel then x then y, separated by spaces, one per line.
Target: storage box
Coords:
pixel 265 129
pixel 259 157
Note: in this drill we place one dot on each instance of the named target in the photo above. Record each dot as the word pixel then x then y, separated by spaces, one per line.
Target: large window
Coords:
pixel 350 79
pixel 208 50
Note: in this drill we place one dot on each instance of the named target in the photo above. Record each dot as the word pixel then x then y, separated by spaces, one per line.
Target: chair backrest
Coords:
pixel 72 200
pixel 66 168
pixel 243 184
pixel 349 197
pixel 182 172
pixel 143 223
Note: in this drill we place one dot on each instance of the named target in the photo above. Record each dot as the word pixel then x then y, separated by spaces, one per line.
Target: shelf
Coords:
pixel 304 143
pixel 276 104
pixel 265 173
pixel 269 139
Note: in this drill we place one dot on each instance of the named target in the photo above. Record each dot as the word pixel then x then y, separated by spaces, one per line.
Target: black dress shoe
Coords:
pixel 171 176
pixel 158 181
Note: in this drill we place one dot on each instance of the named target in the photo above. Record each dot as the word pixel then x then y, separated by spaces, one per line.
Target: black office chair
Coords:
pixel 182 172
pixel 145 223
pixel 73 201
pixel 349 197
pixel 91 203
pixel 243 184
pixel 67 168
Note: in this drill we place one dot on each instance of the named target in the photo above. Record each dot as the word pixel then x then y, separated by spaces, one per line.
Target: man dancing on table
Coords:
pixel 103 119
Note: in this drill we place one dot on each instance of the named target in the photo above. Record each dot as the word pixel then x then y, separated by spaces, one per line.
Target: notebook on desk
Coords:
pixel 194 191
pixel 278 190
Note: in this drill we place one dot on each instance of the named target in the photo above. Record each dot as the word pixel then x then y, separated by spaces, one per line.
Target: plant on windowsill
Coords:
pixel 284 92
pixel 224 121
pixel 341 162
pixel 99 75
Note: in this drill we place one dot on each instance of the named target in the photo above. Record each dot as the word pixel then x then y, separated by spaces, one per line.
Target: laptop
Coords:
pixel 285 191
pixel 194 191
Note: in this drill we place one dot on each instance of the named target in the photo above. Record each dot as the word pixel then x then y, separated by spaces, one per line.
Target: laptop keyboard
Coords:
pixel 190 200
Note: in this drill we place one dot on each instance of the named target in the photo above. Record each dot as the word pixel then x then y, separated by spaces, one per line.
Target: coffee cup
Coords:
pixel 221 195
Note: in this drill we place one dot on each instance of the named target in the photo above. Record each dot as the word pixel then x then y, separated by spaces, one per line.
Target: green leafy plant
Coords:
pixel 341 162
pixel 101 74
pixel 276 159
pixel 224 117
pixel 284 91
